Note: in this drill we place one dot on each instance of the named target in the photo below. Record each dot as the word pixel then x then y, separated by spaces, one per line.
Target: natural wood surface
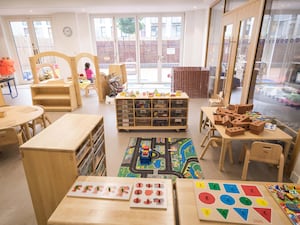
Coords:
pixel 277 134
pixel 19 115
pixel 2 101
pixel 126 110
pixel 54 158
pixel 64 134
pixel 187 208
pixel 83 211
pixel 118 69
pixel 73 90
pixel 54 96
pixel 99 80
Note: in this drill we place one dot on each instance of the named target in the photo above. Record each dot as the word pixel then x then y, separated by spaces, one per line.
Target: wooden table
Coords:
pixel 277 134
pixel 79 210
pixel 19 115
pixel 187 207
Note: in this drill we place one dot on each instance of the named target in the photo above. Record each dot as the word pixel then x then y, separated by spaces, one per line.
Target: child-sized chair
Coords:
pixel 264 152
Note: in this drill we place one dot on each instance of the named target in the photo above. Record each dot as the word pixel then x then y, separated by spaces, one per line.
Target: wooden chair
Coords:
pixel 11 136
pixel 213 102
pixel 212 139
pixel 43 121
pixel 218 101
pixel 264 152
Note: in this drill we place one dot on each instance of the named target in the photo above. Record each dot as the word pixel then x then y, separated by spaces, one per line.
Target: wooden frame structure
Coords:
pixel 75 99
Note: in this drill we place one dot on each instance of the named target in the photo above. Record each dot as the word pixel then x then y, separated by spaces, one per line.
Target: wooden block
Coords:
pixel 231 107
pixel 218 119
pixel 226 121
pixel 234 131
pixel 245 125
pixel 257 126
pixel 243 108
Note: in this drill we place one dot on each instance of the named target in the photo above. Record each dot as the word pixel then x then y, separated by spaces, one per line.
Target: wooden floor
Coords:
pixel 16 207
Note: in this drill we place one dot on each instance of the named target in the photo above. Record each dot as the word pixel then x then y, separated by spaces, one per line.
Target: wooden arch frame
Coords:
pixel 99 80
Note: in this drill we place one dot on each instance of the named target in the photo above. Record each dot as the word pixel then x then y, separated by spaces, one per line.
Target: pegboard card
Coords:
pixel 233 203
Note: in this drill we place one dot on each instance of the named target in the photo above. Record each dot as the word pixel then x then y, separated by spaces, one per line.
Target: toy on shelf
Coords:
pixel 145 154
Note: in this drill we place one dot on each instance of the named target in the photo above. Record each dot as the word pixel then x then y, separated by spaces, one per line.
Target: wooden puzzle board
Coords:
pixel 100 190
pixel 149 195
pixel 233 203
pixel 288 198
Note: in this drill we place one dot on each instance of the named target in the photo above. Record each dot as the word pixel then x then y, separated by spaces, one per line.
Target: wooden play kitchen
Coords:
pixel 150 111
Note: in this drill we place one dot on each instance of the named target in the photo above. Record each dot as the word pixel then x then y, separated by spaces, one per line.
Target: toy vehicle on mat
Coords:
pixel 145 154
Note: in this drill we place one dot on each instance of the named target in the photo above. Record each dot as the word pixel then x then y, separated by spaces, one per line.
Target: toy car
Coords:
pixel 145 154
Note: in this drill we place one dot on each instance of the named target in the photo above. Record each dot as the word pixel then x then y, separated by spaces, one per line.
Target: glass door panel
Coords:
pixel 105 42
pixel 241 59
pixel 171 39
pixel 30 37
pixel 148 42
pixel 225 57
pixel 43 34
pixel 23 43
pixel 126 39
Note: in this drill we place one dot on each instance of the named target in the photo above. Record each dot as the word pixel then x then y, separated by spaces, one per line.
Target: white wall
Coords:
pixel 80 41
pixel 195 37
pixel 3 43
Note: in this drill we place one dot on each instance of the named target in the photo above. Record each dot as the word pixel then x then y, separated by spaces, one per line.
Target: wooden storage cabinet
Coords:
pixel 125 113
pixel 145 113
pixel 58 97
pixel 71 146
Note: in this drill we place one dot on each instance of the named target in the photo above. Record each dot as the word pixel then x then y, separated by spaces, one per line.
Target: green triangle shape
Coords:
pixel 223 212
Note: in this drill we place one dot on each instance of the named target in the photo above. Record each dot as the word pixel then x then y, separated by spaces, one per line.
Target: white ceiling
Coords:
pixel 42 7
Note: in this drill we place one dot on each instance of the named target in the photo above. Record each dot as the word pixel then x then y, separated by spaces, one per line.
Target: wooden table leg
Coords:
pixel 222 154
pixel 286 149
pixel 201 119
pixel 26 131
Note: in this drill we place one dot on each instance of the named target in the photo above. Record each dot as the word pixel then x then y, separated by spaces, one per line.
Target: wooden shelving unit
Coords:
pixel 71 146
pixel 55 97
pixel 152 113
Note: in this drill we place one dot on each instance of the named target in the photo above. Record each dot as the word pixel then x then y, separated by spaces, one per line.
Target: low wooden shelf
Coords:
pixel 152 113
pixel 54 97
pixel 71 146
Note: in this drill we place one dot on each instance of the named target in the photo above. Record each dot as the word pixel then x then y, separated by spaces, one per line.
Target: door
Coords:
pixel 149 46
pixel 160 47
pixel 30 37
pixel 237 51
